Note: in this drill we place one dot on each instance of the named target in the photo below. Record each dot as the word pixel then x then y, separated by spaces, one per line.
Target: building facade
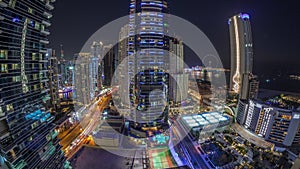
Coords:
pixel 27 133
pixel 277 125
pixel 82 78
pixel 149 46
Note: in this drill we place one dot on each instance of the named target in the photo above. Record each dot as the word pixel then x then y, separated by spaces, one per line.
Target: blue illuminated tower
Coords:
pixel 149 45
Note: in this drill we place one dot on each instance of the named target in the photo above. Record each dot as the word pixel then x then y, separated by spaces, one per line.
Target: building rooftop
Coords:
pixel 207 118
pixel 94 158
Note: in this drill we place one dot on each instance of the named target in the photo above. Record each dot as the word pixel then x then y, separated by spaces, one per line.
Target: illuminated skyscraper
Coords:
pixel 178 83
pixel 96 50
pixel 82 78
pixel 241 53
pixel 54 78
pixel 149 44
pixel 27 134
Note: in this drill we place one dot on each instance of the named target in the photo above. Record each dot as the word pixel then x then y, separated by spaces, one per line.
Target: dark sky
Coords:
pixel 275 24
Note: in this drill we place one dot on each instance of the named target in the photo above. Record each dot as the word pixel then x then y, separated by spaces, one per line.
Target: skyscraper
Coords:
pixel 27 135
pixel 82 78
pixel 123 68
pixel 178 83
pixel 241 53
pixel 149 45
pixel 53 74
pixel 108 64
pixel 96 50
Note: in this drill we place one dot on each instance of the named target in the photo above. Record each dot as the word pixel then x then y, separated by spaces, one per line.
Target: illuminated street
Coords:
pixel 79 136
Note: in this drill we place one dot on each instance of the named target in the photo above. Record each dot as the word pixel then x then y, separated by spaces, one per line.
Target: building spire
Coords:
pixel 61 52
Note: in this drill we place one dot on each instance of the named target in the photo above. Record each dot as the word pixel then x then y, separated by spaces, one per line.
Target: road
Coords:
pixel 80 135
pixel 190 150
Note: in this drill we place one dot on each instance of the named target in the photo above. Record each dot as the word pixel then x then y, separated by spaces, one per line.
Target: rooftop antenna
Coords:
pixel 61 52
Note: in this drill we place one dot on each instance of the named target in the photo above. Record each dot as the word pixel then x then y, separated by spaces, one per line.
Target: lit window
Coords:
pixel 15 66
pixel 37 26
pixel 35 87
pixel 34 56
pixel 30 10
pixel 1 111
pixel 3 54
pixel 9 107
pixel 12 3
pixel 16 78
pixel 3 68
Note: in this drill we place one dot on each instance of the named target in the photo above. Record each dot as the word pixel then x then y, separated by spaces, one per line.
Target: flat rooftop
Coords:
pixel 207 118
pixel 95 158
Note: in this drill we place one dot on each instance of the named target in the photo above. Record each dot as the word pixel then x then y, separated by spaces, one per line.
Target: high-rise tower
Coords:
pixel 241 53
pixel 149 46
pixel 27 134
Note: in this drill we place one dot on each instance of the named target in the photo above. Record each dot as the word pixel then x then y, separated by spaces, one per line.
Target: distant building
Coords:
pixel 54 79
pixel 69 73
pixel 274 123
pixel 108 64
pixel 179 86
pixel 95 54
pixel 178 83
pixel 122 68
pixel 241 54
pixel 82 78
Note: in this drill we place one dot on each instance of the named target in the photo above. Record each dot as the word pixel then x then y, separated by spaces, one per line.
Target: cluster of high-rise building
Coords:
pixel 27 133
pixel 270 121
pixel 92 72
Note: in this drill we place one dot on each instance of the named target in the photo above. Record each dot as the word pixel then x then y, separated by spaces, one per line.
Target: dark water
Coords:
pixel 280 83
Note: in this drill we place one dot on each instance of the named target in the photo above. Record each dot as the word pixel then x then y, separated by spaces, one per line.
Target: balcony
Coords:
pixel 2 18
pixel 48 15
pixel 43 51
pixel 3 4
pixel 49 6
pixel 45 32
pixel 44 42
pixel 46 23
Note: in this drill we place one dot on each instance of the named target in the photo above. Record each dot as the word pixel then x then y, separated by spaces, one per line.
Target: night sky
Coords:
pixel 275 24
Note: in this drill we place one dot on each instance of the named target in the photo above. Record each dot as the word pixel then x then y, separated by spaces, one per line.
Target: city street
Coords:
pixel 80 134
pixel 190 150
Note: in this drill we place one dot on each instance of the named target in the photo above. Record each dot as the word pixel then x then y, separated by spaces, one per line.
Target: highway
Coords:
pixel 80 135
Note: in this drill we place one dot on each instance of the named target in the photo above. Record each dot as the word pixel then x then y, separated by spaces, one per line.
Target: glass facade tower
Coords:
pixel 241 54
pixel 149 45
pixel 27 133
